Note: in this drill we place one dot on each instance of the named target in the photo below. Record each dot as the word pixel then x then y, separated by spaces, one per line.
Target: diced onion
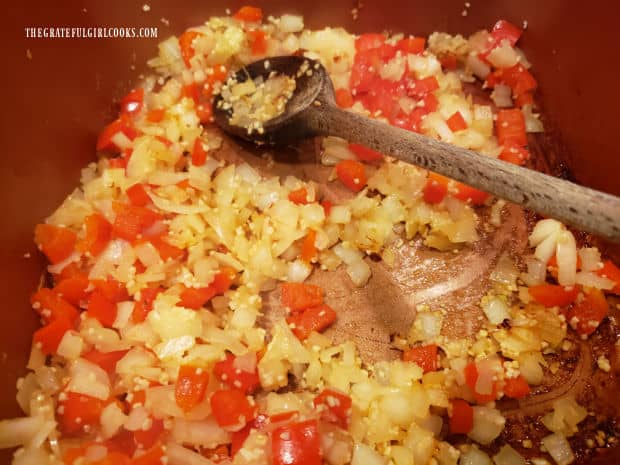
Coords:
pixel 136 419
pixel 95 452
pixel 508 456
pixel 558 448
pixel 206 433
pixel 88 379
pixel 291 23
pixel 591 279
pixel 298 271
pixel 19 431
pixel 175 207
pixel 536 272
pixel 503 56
pixel 112 418
pixel 590 258
pixel 496 310
pixel 532 120
pixel 474 456
pixel 488 424
pixel 566 256
pixel 364 455
pixel 502 96
pixel 71 345
pixel 477 66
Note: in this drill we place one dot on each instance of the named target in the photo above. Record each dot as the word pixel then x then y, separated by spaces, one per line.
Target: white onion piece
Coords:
pixel 558 448
pixel 590 258
pixel 547 248
pixel 247 174
pixel 428 326
pixel 359 272
pixel 88 379
pixel 19 431
pixel 124 311
pixel 156 229
pixel 206 433
pixel 502 96
pixel 112 418
pixel 147 254
pixel 121 141
pixel 488 424
pixel 536 272
pixel 179 455
pixel 71 345
pixel 477 66
pixel 496 310
pixel 523 61
pixel 508 456
pixel 298 271
pixel 136 419
pixel 566 255
pixel 532 120
pixel 246 362
pixel 336 449
pixel 543 229
pixel 364 455
pixel 503 56
pixel 174 207
pixel 291 23
pixel 32 456
pixel 591 279
pixel 340 214
pixel 474 456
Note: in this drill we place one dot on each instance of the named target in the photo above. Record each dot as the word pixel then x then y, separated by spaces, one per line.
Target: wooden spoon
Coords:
pixel 311 111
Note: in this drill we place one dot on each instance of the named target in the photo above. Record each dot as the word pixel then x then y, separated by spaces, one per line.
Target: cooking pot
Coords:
pixel 58 93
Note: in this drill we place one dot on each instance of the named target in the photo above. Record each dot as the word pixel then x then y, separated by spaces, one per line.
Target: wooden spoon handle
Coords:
pixel 584 208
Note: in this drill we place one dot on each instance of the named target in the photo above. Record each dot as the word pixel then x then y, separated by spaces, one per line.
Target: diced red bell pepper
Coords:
pixel 72 270
pixel 233 377
pixel 156 115
pixel 335 407
pixel 113 458
pixel 102 309
pixel 137 195
pixel 250 14
pixel 344 99
pixel 146 439
pixel 98 234
pixel 122 124
pixel 199 154
pixel 299 296
pixel 461 417
pixel 186 43
pixel 191 386
pixel 223 279
pixel 132 220
pixel 413 45
pixel 204 113
pixel 586 316
pixel 299 196
pixel 612 272
pixel 470 194
pixel 352 174
pixel 167 251
pixel 436 188
pixel 471 378
pixel 552 295
pixel 526 98
pixel 111 289
pixel 369 41
pixel 196 297
pixel 456 122
pixel 144 304
pixel 51 306
pixel 503 30
pixel 216 76
pixel 363 153
pixel 421 87
pixel 448 61
pixel 133 101
pixel 296 444
pixel 516 388
pixel 73 290
pixel 515 154
pixel 231 408
pixel 424 356
pixel 56 242
pixel 50 335
pixel 312 319
pixel 510 126
pixel 78 411
pixel 258 42
pixel 106 360
pixel 308 247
